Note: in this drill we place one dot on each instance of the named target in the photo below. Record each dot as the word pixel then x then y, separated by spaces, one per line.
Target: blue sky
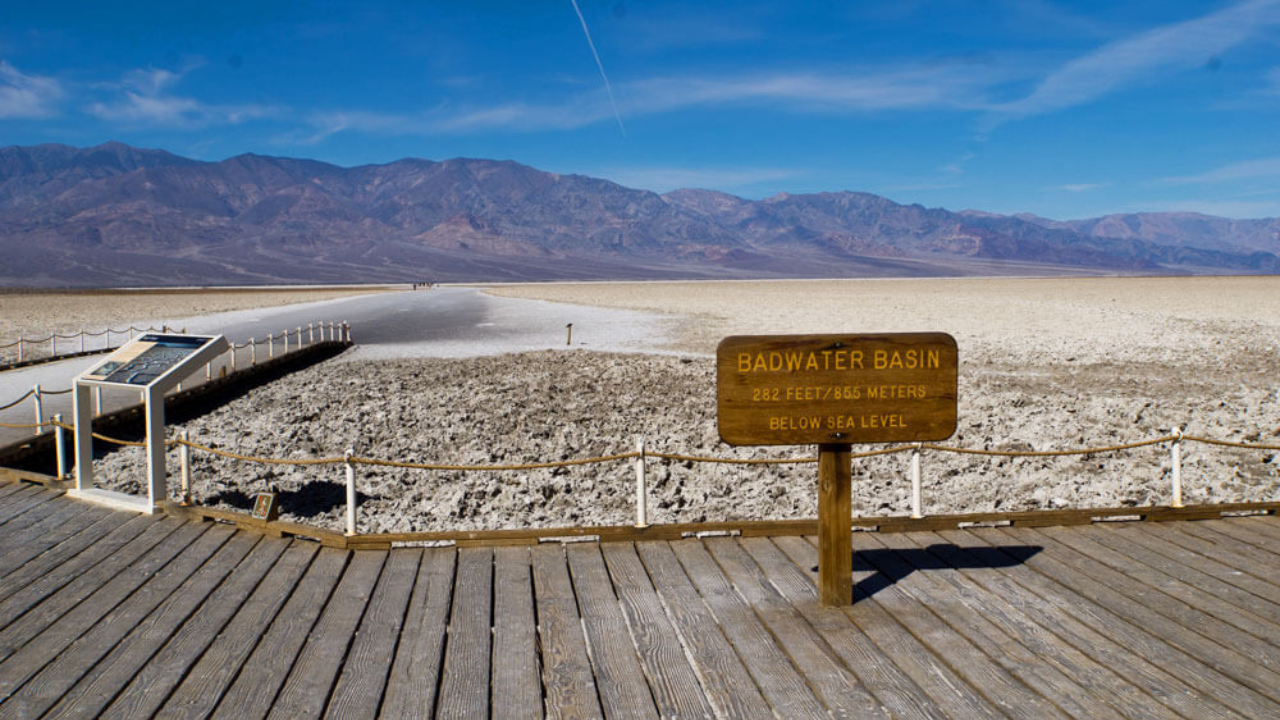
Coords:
pixel 1063 109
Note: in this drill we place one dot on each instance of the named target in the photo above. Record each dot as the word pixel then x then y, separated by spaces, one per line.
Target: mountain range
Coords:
pixel 117 215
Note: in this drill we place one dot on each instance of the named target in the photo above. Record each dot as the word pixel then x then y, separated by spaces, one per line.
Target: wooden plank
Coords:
pixel 778 679
pixel 1077 684
pixel 8 487
pixel 38 538
pixel 883 679
pixel 364 674
pixel 41 605
pixel 58 633
pixel 723 678
pixel 1257 548
pixel 464 684
pixel 888 620
pixel 215 666
pixel 1147 544
pixel 619 678
pixel 1144 607
pixel 1219 561
pixel 111 653
pixel 54 568
pixel 517 687
pixel 672 680
pixel 264 673
pixel 569 687
pixel 1190 606
pixel 306 689
pixel 837 688
pixel 19 529
pixel 1138 652
pixel 1268 525
pixel 24 501
pixel 164 669
pixel 415 673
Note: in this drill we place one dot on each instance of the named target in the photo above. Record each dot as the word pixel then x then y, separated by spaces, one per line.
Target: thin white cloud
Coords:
pixel 1244 170
pixel 1132 60
pixel 27 96
pixel 1081 187
pixel 665 179
pixel 144 97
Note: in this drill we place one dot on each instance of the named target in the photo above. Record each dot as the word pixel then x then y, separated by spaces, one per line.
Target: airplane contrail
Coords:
pixel 608 88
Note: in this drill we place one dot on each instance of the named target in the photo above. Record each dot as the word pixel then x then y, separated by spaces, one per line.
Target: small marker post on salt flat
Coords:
pixel 834 391
pixel 568 340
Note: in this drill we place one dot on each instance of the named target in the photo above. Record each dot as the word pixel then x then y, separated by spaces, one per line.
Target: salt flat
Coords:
pixel 1045 364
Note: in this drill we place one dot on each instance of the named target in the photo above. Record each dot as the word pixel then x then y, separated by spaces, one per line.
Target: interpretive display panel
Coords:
pixel 148 358
pixel 842 389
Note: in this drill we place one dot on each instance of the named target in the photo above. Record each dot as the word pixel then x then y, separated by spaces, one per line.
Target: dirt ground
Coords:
pixel 1045 364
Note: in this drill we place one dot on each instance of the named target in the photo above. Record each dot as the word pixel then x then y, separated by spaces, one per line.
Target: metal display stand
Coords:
pixel 153 364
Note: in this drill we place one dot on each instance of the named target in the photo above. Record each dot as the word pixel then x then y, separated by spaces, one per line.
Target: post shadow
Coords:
pixel 308 501
pixel 890 565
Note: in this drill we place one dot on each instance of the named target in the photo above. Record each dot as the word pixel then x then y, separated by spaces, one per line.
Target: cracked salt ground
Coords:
pixel 558 405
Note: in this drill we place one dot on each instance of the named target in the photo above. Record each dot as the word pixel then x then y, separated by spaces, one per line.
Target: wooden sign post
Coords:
pixel 833 391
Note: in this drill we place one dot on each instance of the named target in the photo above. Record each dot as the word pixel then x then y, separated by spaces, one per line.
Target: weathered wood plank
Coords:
pixel 1258 549
pixel 33 499
pixel 792 575
pixel 1267 525
pixel 57 634
pixel 27 525
pixel 464 687
pixel 569 687
pixel 517 671
pixel 54 568
pixel 1191 606
pixel 778 679
pixel 721 674
pixel 264 673
pixel 8 487
pixel 619 678
pixel 1217 560
pixel 1077 684
pixel 163 670
pixel 32 541
pixel 29 612
pixel 215 667
pixel 359 690
pixel 833 684
pixel 415 674
pixel 887 620
pixel 1202 573
pixel 672 680
pixel 306 690
pixel 118 645
pixel 1142 655
pixel 1144 607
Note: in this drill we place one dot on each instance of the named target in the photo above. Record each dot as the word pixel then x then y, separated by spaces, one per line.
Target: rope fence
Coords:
pixel 640 456
pixel 25 344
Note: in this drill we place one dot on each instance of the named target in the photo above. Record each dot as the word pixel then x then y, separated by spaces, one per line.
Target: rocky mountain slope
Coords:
pixel 118 215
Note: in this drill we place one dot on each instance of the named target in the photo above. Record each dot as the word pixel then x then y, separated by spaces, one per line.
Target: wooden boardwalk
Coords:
pixel 114 615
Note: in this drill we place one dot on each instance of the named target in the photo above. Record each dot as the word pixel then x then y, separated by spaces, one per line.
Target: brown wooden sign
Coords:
pixel 836 389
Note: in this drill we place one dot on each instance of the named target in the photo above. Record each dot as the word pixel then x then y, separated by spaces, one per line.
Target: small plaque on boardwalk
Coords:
pixel 264 507
pixel 822 389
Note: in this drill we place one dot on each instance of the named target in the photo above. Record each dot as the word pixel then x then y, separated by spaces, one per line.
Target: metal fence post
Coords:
pixel 58 440
pixel 39 410
pixel 20 341
pixel 253 352
pixel 233 357
pixel 311 333
pixel 53 344
pixel 642 501
pixel 184 453
pixel 271 346
pixel 351 491
pixel 1175 456
pixel 97 400
pixel 917 493
pixel 81 339
pixel 285 333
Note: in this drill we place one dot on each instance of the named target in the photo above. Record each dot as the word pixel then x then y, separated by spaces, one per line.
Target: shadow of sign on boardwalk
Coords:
pixel 890 566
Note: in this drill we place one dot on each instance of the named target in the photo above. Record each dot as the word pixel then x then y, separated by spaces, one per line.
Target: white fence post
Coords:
pixel 917 493
pixel 97 400
pixel 311 333
pixel 1175 456
pixel 39 410
pixel 208 371
pixel 285 333
pixel 642 501
pixel 271 346
pixel 184 453
pixel 53 344
pixel 351 492
pixel 58 438
pixel 233 357
pixel 331 335
pixel 253 352
pixel 346 331
pixel 20 341
pixel 81 339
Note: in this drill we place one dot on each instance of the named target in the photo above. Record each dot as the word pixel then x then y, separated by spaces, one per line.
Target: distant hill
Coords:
pixel 119 215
